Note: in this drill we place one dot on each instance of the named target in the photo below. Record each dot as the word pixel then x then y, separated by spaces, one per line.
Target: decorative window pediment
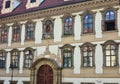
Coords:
pixel 88 21
pixel 15 55
pixel 110 53
pixel 33 3
pixel 109 21
pixel 67 56
pixel 28 57
pixel 48 27
pixel 68 25
pixel 88 54
pixel 30 31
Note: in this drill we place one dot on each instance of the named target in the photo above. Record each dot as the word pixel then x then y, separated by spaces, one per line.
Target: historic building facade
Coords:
pixel 59 42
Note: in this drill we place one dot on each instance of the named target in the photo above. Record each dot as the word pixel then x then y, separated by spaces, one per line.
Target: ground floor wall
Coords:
pixel 26 80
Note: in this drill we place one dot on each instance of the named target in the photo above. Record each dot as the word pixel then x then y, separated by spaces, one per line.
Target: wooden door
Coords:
pixel 45 75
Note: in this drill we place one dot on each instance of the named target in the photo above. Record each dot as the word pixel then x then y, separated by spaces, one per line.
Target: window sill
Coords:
pixel 112 31
pixel 67 36
pixel 87 67
pixel 84 34
pixel 67 67
pixel 106 67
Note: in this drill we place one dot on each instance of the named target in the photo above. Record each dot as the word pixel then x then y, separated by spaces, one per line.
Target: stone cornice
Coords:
pixel 89 5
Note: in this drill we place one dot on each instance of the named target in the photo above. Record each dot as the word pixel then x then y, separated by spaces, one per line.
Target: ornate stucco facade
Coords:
pixel 48 48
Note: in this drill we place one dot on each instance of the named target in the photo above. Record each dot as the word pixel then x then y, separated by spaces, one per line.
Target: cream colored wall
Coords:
pixel 40 45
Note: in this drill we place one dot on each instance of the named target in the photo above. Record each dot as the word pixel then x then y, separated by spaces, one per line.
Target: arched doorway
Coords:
pixel 45 71
pixel 45 75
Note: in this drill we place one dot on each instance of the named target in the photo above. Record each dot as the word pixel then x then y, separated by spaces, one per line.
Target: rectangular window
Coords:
pixel 110 83
pixel 67 83
pixel 87 83
pixel 26 82
pixel 7 5
pixel 31 1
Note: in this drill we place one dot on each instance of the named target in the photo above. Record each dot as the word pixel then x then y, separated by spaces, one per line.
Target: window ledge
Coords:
pixel 105 67
pixel 84 34
pixel 66 36
pixel 112 31
pixel 88 67
pixel 67 67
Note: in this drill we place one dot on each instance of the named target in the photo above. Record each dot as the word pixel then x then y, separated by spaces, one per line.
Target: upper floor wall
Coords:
pixel 20 6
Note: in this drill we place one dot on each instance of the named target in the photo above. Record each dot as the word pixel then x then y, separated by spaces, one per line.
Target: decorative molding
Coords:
pixel 59 10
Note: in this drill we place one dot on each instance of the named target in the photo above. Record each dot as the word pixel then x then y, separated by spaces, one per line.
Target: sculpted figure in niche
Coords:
pixel 47 31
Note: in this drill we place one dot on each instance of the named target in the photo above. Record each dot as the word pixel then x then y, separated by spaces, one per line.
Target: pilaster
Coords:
pixel 23 34
pixel 98 24
pixel 8 62
pixel 118 20
pixel 119 57
pixel 57 27
pixel 77 60
pixel 38 31
pixel 21 62
pixel 77 27
pixel 10 35
pixel 98 59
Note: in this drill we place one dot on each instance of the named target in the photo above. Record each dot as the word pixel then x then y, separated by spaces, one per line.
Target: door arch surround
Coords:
pixel 52 64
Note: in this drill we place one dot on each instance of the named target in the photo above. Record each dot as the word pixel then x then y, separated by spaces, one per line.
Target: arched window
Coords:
pixel 16 33
pixel 68 26
pixel 110 49
pixel 67 56
pixel 88 55
pixel 4 34
pixel 2 59
pixel 28 57
pixel 30 29
pixel 88 23
pixel 15 55
pixel 48 29
pixel 109 20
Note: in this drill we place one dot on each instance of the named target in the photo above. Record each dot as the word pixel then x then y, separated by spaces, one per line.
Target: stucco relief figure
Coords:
pixel 47 31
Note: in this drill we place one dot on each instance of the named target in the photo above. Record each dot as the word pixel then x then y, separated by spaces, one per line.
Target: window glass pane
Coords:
pixel 108 61
pixel 89 53
pixel 107 52
pixel 87 61
pixel 113 52
pixel 109 15
pixel 113 47
pixel 85 53
pixel 108 47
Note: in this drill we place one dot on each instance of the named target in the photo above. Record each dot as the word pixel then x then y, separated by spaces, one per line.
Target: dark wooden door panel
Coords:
pixel 45 75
